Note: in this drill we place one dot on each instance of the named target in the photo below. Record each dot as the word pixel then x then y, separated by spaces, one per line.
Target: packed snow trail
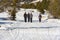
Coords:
pixel 49 30
pixel 30 34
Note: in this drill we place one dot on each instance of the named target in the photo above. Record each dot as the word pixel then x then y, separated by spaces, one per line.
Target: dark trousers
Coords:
pixel 25 19
pixel 39 19
pixel 28 19
pixel 31 19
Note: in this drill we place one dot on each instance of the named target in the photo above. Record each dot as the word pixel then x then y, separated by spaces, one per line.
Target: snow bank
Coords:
pixel 4 15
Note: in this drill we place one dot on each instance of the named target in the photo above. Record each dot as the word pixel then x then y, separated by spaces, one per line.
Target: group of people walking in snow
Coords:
pixel 29 16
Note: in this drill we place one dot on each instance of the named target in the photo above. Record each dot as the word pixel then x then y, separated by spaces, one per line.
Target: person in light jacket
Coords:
pixel 31 16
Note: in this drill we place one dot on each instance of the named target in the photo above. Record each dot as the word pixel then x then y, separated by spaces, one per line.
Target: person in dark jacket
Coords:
pixel 25 17
pixel 28 17
pixel 40 16
pixel 31 16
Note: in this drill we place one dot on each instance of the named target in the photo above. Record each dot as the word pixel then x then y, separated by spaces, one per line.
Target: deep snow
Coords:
pixel 48 29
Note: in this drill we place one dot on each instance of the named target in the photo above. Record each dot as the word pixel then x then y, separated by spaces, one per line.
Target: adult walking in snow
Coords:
pixel 25 17
pixel 28 17
pixel 31 16
pixel 40 16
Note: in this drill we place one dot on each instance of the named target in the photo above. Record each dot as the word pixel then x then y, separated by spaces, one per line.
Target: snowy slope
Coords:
pixel 20 13
pixel 4 15
pixel 19 30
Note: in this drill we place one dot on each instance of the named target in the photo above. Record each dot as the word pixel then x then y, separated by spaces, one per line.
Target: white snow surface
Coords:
pixel 48 29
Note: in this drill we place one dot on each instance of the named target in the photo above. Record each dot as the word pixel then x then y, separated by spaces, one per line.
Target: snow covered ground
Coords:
pixel 48 29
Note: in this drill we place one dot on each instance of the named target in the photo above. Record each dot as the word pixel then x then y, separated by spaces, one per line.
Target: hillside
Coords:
pixel 19 30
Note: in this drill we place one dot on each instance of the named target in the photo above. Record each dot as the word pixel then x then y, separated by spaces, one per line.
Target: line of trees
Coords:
pixel 13 10
pixel 39 5
pixel 53 7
